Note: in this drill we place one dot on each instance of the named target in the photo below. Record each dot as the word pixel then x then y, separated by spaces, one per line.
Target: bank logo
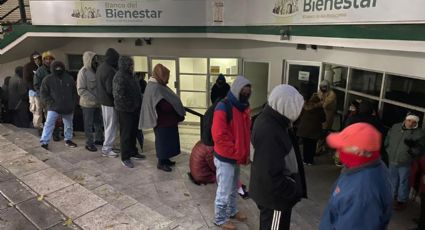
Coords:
pixel 285 8
pixel 86 12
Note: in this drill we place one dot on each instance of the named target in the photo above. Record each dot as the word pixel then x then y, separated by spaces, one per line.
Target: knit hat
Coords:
pixel 287 101
pixel 47 54
pixel 361 135
pixel 412 116
pixel 238 84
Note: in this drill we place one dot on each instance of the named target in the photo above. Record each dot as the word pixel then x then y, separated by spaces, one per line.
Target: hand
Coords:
pixel 413 193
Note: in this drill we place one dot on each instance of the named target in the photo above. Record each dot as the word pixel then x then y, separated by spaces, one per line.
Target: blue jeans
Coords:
pixel 93 119
pixel 400 182
pixel 227 191
pixel 49 126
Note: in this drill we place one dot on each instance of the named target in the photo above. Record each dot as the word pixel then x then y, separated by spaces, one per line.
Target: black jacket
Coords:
pixel 104 77
pixel 17 93
pixel 272 184
pixel 58 90
pixel 219 91
pixel 125 88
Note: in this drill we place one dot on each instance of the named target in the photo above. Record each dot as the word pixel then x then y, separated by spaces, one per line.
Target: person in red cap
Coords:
pixel 362 195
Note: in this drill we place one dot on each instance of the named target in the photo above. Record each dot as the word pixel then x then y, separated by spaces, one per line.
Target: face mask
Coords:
pixel 244 98
pixel 351 160
pixel 323 89
pixel 59 71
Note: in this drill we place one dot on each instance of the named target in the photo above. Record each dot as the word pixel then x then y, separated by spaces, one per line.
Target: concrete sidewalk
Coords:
pixel 75 189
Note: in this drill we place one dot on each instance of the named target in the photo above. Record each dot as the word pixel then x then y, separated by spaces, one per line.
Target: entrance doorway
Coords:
pixel 304 76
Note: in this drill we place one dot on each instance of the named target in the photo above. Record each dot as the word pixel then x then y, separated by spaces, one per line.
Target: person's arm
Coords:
pixel 221 134
pixel 37 79
pixel 82 89
pixel 108 83
pixel 45 93
pixel 329 100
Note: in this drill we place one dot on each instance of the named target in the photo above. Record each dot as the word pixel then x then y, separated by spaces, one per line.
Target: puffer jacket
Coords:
pixel 201 163
pixel 126 89
pixel 398 151
pixel 58 90
pixel 104 76
pixel 86 82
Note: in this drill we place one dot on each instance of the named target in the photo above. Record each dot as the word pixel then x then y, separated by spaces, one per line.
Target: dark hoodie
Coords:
pixel 126 89
pixel 104 77
pixel 29 70
pixel 219 89
pixel 17 92
pixel 58 90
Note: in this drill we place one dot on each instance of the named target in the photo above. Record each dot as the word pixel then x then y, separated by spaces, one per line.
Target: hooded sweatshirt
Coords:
pixel 58 90
pixel 104 77
pixel 277 180
pixel 126 89
pixel 231 138
pixel 29 70
pixel 86 82
pixel 219 90
pixel 17 92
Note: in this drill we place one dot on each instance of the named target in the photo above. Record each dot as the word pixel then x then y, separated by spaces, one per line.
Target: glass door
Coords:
pixel 304 76
pixel 171 64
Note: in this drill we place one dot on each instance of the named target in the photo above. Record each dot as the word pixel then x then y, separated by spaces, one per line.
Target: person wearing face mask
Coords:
pixel 277 175
pixel 231 148
pixel 399 144
pixel 162 110
pixel 59 93
pixel 219 89
pixel 361 197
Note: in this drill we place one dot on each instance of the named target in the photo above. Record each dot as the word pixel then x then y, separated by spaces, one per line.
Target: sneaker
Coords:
pixel 239 216
pixel 45 146
pixel 227 226
pixel 91 148
pixel 98 143
pixel 70 144
pixel 127 163
pixel 244 192
pixel 109 153
pixel 138 156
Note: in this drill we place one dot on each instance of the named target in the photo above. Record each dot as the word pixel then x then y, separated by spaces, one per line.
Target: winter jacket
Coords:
pixel 104 77
pixel 311 119
pixel 58 90
pixel 201 163
pixel 86 82
pixel 398 151
pixel 39 76
pixel 276 182
pixel 28 75
pixel 219 91
pixel 231 138
pixel 361 199
pixel 17 90
pixel 329 105
pixel 125 88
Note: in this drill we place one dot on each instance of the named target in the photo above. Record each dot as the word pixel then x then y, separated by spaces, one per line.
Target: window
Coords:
pixel 193 65
pixel 393 114
pixel 140 64
pixel 366 82
pixel 75 62
pixel 336 75
pixel 406 90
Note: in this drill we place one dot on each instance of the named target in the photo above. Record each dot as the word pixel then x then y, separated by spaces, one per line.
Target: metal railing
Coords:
pixel 21 7
pixel 201 116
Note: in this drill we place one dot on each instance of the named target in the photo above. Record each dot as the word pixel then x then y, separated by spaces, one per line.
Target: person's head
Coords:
pixel 57 68
pixel 36 58
pixel 221 80
pixel 48 58
pixel 161 74
pixel 324 86
pixel 411 121
pixel 357 144
pixel 287 101
pixel 6 80
pixel 19 71
pixel 126 64
pixel 354 106
pixel 89 60
pixel 241 89
pixel 111 57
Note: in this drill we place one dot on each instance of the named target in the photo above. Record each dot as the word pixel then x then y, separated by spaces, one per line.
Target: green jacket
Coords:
pixel 396 147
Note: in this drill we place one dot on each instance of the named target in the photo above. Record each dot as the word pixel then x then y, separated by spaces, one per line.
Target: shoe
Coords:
pixel 244 193
pixel 45 146
pixel 138 156
pixel 91 148
pixel 239 216
pixel 164 167
pixel 227 226
pixel 70 144
pixel 127 163
pixel 169 162
pixel 110 153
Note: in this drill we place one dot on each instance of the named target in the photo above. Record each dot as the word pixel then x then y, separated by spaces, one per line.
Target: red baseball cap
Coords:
pixel 361 135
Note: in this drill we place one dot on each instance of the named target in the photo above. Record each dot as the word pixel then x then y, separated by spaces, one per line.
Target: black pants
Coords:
pixel 20 118
pixel 129 123
pixel 421 224
pixel 309 149
pixel 93 120
pixel 274 220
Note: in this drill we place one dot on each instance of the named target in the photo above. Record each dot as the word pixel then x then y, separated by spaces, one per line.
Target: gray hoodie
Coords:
pixel 86 82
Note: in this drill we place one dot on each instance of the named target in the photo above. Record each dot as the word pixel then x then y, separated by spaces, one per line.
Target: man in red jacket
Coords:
pixel 231 135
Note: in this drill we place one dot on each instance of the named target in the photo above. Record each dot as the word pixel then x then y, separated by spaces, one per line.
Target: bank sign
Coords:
pixel 225 12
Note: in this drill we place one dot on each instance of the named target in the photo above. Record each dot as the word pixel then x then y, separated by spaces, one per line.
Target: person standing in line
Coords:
pixel 361 197
pixel 310 127
pixel 18 99
pixel 219 89
pixel 162 110
pixel 398 143
pixel 92 114
pixel 127 103
pixel 328 99
pixel 59 94
pixel 142 82
pixel 104 77
pixel 231 149
pixel 277 180
pixel 4 100
pixel 29 70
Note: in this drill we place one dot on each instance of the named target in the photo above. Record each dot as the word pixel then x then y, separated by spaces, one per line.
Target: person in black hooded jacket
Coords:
pixel 219 89
pixel 104 77
pixel 59 93
pixel 18 100
pixel 127 102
